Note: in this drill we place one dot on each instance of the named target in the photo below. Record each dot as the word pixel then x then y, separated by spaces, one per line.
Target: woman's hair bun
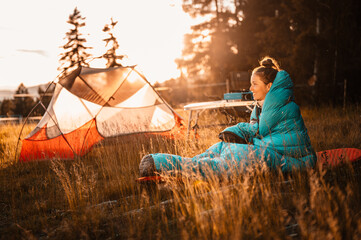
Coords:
pixel 268 69
pixel 269 62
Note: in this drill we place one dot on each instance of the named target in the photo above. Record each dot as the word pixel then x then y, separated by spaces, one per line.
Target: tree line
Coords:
pixel 317 41
pixel 75 54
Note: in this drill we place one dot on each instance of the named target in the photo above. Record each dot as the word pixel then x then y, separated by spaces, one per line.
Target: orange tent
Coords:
pixel 90 105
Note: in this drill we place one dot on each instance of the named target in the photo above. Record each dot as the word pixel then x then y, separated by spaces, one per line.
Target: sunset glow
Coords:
pixel 150 33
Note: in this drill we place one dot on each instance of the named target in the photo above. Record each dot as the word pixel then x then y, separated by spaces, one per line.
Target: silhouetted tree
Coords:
pixel 340 48
pixel 318 40
pixel 23 102
pixel 7 107
pixel 75 54
pixel 325 44
pixel 211 48
pixel 111 55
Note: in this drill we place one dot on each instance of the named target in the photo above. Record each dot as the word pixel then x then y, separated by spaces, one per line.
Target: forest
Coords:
pixel 317 42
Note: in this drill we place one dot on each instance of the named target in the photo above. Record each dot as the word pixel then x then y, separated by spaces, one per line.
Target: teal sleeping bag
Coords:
pixel 276 135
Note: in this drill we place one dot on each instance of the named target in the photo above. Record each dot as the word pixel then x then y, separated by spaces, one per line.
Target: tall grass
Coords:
pixel 97 197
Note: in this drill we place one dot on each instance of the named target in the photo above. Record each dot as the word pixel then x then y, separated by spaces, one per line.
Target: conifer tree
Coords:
pixel 23 102
pixel 211 47
pixel 7 107
pixel 312 40
pixel 112 44
pixel 75 54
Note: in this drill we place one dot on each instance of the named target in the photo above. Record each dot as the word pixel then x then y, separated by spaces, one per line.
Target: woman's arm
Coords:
pixel 242 132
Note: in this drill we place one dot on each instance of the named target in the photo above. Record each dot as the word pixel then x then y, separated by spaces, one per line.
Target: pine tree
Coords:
pixel 75 54
pixel 23 102
pixel 210 48
pixel 111 42
pixel 7 107
pixel 317 42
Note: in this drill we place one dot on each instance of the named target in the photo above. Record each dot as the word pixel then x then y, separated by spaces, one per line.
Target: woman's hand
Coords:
pixel 232 138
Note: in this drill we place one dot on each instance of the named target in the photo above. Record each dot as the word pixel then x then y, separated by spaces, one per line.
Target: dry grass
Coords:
pixel 97 197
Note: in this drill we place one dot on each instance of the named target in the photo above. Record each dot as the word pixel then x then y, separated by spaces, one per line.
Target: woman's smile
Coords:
pixel 259 88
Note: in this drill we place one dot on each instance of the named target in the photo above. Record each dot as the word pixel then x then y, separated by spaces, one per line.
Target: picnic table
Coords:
pixel 200 107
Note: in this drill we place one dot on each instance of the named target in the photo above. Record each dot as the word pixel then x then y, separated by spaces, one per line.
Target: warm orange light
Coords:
pixel 150 33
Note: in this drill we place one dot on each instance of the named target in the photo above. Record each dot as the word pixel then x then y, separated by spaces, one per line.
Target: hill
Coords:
pixel 33 90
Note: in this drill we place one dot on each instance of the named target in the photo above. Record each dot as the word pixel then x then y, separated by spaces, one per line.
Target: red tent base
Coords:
pixel 66 146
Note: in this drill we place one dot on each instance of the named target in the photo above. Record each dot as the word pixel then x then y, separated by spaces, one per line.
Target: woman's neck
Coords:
pixel 260 103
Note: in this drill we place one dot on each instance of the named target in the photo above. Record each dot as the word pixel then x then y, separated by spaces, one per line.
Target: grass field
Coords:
pixel 97 197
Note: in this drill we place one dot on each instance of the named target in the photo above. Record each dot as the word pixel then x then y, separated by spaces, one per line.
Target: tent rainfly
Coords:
pixel 90 105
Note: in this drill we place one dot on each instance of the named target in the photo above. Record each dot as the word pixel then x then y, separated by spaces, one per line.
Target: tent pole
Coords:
pixel 22 128
pixel 27 117
pixel 145 79
pixel 112 94
pixel 93 120
pixel 62 134
pixel 40 101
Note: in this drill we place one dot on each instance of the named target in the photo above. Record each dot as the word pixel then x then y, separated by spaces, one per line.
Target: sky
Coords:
pixel 32 32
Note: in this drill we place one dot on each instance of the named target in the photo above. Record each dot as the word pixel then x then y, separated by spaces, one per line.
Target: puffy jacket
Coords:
pixel 277 137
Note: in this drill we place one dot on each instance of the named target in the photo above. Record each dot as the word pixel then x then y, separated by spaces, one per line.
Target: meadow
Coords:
pixel 97 196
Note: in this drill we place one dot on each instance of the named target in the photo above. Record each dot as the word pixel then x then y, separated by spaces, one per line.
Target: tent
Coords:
pixel 90 105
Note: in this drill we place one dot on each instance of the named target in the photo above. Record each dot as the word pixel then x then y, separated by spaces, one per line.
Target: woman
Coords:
pixel 276 134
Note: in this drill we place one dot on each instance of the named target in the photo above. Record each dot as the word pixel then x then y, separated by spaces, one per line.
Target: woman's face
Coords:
pixel 259 88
